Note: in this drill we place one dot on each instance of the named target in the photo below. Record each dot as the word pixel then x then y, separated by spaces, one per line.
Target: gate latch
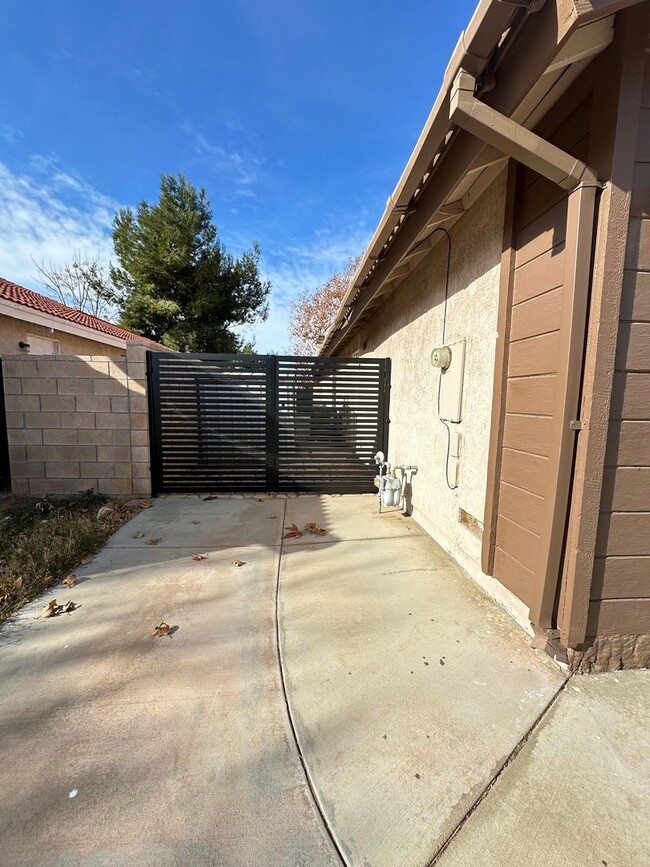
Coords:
pixel 576 424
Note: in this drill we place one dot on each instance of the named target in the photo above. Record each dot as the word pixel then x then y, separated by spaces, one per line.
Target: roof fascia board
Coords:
pixel 37 317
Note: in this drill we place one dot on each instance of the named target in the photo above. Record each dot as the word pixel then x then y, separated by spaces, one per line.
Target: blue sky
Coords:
pixel 296 117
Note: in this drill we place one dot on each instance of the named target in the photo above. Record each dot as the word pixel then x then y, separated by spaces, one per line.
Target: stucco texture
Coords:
pixel 12 331
pixel 406 328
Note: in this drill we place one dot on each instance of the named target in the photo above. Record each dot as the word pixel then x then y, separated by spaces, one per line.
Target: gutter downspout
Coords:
pixel 581 181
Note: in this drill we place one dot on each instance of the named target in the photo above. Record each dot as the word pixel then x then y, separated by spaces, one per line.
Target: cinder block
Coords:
pixel 56 367
pixel 43 419
pixel 100 368
pixel 139 437
pixel 43 487
pixel 12 385
pixel 25 437
pixel 76 486
pixel 78 420
pixel 116 487
pixel 74 386
pixel 136 353
pixel 142 487
pixel 117 369
pixel 39 385
pixel 19 367
pixel 20 487
pixel 95 437
pixel 17 453
pixel 62 469
pixel 57 402
pixel 17 420
pixel 28 470
pixel 109 420
pixel 111 454
pixel 139 421
pixel 22 402
pixel 137 370
pixel 53 367
pixel 119 404
pixel 140 454
pixel 122 471
pixel 141 471
pixel 120 437
pixel 60 437
pixel 110 386
pixel 98 469
pixel 138 403
pixel 93 403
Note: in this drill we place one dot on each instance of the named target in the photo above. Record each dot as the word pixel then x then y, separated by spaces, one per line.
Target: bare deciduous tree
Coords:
pixel 314 312
pixel 84 284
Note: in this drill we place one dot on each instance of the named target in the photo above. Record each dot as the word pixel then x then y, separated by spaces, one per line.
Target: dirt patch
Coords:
pixel 41 541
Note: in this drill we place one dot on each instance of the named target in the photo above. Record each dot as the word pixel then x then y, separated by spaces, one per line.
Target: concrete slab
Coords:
pixel 408 686
pixel 123 749
pixel 346 518
pixel 578 793
pixel 222 523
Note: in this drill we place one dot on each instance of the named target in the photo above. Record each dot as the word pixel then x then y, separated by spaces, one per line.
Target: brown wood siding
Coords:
pixel 620 593
pixel 540 219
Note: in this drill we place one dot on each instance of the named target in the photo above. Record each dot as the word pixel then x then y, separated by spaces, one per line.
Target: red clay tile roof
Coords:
pixel 19 295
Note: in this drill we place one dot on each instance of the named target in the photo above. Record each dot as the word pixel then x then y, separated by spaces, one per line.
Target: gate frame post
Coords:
pixel 155 441
pixel 272 423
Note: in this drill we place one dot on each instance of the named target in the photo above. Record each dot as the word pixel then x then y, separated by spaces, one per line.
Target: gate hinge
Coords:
pixel 576 424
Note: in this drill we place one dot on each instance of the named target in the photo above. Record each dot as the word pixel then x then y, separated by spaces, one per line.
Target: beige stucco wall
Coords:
pixel 12 331
pixel 78 422
pixel 406 328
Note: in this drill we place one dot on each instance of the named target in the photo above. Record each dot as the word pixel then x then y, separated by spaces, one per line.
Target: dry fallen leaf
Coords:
pixel 4 599
pixel 68 607
pixel 47 581
pixel 238 563
pixel 154 541
pixel 70 580
pixel 138 536
pixel 145 504
pixel 160 631
pixel 50 609
pixel 314 529
pixel 18 583
pixel 293 532
pixel 199 556
pixel 196 522
pixel 271 517
pixel 86 560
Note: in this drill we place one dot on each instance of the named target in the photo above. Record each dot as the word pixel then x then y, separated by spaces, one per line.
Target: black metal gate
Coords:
pixel 266 422
pixel 5 467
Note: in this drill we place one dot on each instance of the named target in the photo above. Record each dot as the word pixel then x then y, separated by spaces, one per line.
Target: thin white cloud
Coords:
pixel 306 265
pixel 48 214
pixel 9 134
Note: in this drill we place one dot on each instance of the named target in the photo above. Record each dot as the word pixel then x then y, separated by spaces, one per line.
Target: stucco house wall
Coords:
pixel 13 331
pixel 406 328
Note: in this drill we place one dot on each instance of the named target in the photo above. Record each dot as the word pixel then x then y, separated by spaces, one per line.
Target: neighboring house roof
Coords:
pixel 16 294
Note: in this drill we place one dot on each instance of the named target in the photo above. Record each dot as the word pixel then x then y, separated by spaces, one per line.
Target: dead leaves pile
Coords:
pixel 52 609
pixel 294 532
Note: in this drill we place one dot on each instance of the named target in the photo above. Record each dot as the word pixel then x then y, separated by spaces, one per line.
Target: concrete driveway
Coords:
pixel 350 698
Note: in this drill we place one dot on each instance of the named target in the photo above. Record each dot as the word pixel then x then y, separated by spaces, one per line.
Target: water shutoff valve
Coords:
pixel 441 357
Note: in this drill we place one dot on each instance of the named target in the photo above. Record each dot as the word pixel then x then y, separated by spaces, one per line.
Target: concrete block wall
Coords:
pixel 78 422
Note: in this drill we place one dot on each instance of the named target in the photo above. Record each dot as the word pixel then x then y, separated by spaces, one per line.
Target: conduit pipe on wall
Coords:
pixel 581 181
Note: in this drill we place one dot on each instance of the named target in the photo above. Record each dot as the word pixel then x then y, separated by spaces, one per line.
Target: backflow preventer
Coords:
pixel 390 488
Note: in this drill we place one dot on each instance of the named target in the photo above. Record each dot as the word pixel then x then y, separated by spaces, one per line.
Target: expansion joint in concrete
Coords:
pixel 287 703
